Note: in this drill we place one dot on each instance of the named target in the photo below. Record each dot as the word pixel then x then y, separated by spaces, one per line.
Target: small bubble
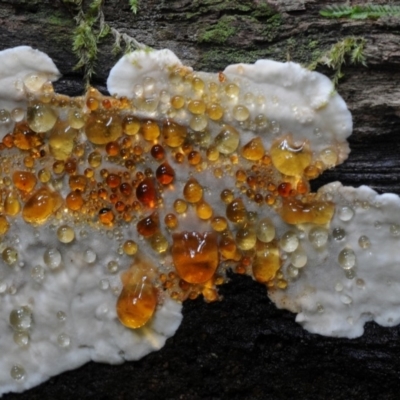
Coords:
pixel 346 299
pixel 63 340
pixel 360 283
pixel 364 242
pixel 289 241
pixel 292 271
pixel 338 234
pixel 21 339
pixel 318 237
pixel 21 319
pixel 395 230
pixel 90 256
pixel 17 372
pixel 38 273
pixel 65 234
pixel 346 213
pixel 112 267
pixel 347 258
pixel 52 258
pixel 104 284
pixel 338 287
pixel 61 316
pixel 377 224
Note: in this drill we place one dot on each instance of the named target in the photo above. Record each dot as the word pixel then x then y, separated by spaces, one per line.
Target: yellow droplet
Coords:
pixel 290 160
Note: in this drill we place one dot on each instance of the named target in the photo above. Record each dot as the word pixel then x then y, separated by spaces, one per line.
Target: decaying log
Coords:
pixel 243 347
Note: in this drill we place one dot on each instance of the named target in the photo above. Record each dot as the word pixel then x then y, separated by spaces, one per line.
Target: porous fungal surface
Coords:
pixel 116 209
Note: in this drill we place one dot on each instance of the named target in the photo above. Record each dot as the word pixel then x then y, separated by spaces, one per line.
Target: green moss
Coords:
pixel 220 32
pixel 58 19
pixel 271 27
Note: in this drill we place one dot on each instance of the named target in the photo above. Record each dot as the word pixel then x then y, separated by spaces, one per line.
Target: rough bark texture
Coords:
pixel 243 347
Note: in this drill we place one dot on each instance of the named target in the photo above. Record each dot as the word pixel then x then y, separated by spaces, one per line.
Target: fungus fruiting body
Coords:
pixel 116 209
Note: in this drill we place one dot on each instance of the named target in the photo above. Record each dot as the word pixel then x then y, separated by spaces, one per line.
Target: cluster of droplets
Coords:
pixel 92 161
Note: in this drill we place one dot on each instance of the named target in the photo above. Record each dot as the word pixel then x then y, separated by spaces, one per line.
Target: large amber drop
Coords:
pixel 138 300
pixel 148 226
pixel 174 134
pixel 288 159
pixel 24 181
pixel 195 255
pixel 102 128
pixel 146 193
pixel 267 262
pixel 318 212
pixel 40 206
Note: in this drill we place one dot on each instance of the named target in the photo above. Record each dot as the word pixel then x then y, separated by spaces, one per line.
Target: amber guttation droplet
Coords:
pixel 11 204
pixel 113 181
pixel 157 152
pixel 24 138
pixel 174 134
pixel 284 189
pixel 171 221
pixel 192 191
pixel 4 225
pixel 150 130
pixel 288 159
pixel 112 149
pixel 254 150
pixel 148 226
pixel 106 216
pixel 24 180
pixel 77 182
pixel 138 300
pixel 126 189
pixel 228 249
pixel 74 200
pixel 195 255
pixel 130 125
pixel 165 174
pixel 103 127
pixel 146 193
pixel 317 212
pixel 267 262
pixel 236 211
pixel 40 206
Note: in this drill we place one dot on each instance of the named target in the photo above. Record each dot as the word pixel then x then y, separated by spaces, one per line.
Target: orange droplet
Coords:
pixel 195 255
pixel 138 300
pixel 148 226
pixel 165 174
pixel 146 193
pixel 40 206
pixel 24 180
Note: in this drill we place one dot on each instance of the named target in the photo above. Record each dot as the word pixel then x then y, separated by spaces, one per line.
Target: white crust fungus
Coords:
pixel 353 277
pixel 271 126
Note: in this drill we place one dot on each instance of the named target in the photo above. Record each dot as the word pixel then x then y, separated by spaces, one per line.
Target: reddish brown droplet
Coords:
pixel 148 226
pixel 24 180
pixel 165 174
pixel 146 193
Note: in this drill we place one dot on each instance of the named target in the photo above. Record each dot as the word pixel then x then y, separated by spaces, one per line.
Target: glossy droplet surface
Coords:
pixel 24 180
pixel 148 226
pixel 165 174
pixel 267 262
pixel 265 230
pixel 138 300
pixel 41 117
pixel 146 193
pixel 174 134
pixel 192 191
pixel 21 319
pixel 288 159
pixel 195 255
pixel 227 141
pixel 254 150
pixel 101 128
pixel 347 258
pixel 40 206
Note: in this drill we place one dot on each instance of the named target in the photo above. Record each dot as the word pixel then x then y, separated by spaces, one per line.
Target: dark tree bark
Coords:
pixel 243 347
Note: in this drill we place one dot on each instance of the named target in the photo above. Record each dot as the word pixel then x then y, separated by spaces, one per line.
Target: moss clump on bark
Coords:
pixel 220 32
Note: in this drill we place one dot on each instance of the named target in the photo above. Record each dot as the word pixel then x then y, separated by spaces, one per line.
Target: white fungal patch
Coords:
pixel 58 306
pixel 354 277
